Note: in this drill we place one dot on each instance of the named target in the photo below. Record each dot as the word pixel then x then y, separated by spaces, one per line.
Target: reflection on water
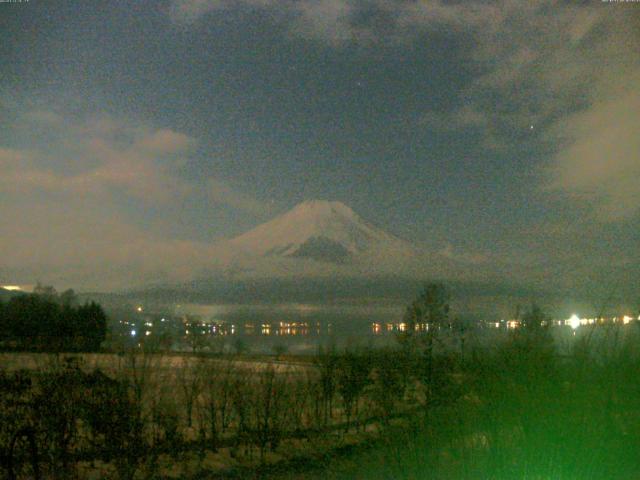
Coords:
pixel 302 327
pixel 299 327
pixel 293 319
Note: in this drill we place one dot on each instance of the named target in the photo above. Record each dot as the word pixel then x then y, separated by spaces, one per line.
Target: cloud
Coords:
pixel 571 74
pixel 89 245
pixel 600 159
pixel 326 20
pixel 344 21
pixel 91 205
pixel 129 166
pixel 569 71
pixel 166 142
pixel 113 157
pixel 189 11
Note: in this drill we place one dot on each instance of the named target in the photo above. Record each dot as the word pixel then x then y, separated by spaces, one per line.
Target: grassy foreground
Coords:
pixel 516 410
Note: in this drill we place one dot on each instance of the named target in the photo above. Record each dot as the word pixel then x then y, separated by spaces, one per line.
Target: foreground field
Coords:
pixel 516 410
pixel 113 363
pixel 150 414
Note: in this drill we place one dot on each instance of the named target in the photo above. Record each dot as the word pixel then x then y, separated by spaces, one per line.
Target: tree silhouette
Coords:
pixel 352 377
pixel 423 319
pixel 42 322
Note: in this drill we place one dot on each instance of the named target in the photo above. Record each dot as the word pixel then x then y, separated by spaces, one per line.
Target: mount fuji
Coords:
pixel 327 232
pixel 318 251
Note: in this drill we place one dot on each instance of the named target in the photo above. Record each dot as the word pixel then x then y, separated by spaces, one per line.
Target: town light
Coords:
pixel 574 321
pixel 12 288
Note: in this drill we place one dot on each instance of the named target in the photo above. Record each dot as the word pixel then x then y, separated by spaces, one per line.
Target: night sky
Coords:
pixel 134 135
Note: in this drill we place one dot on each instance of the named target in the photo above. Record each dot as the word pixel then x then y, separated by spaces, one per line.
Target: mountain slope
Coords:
pixel 317 251
pixel 319 230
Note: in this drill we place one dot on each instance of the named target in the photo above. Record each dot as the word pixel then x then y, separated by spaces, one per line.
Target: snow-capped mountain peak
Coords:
pixel 327 231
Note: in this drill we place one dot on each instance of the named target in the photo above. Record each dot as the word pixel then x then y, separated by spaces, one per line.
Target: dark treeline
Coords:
pixel 51 322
